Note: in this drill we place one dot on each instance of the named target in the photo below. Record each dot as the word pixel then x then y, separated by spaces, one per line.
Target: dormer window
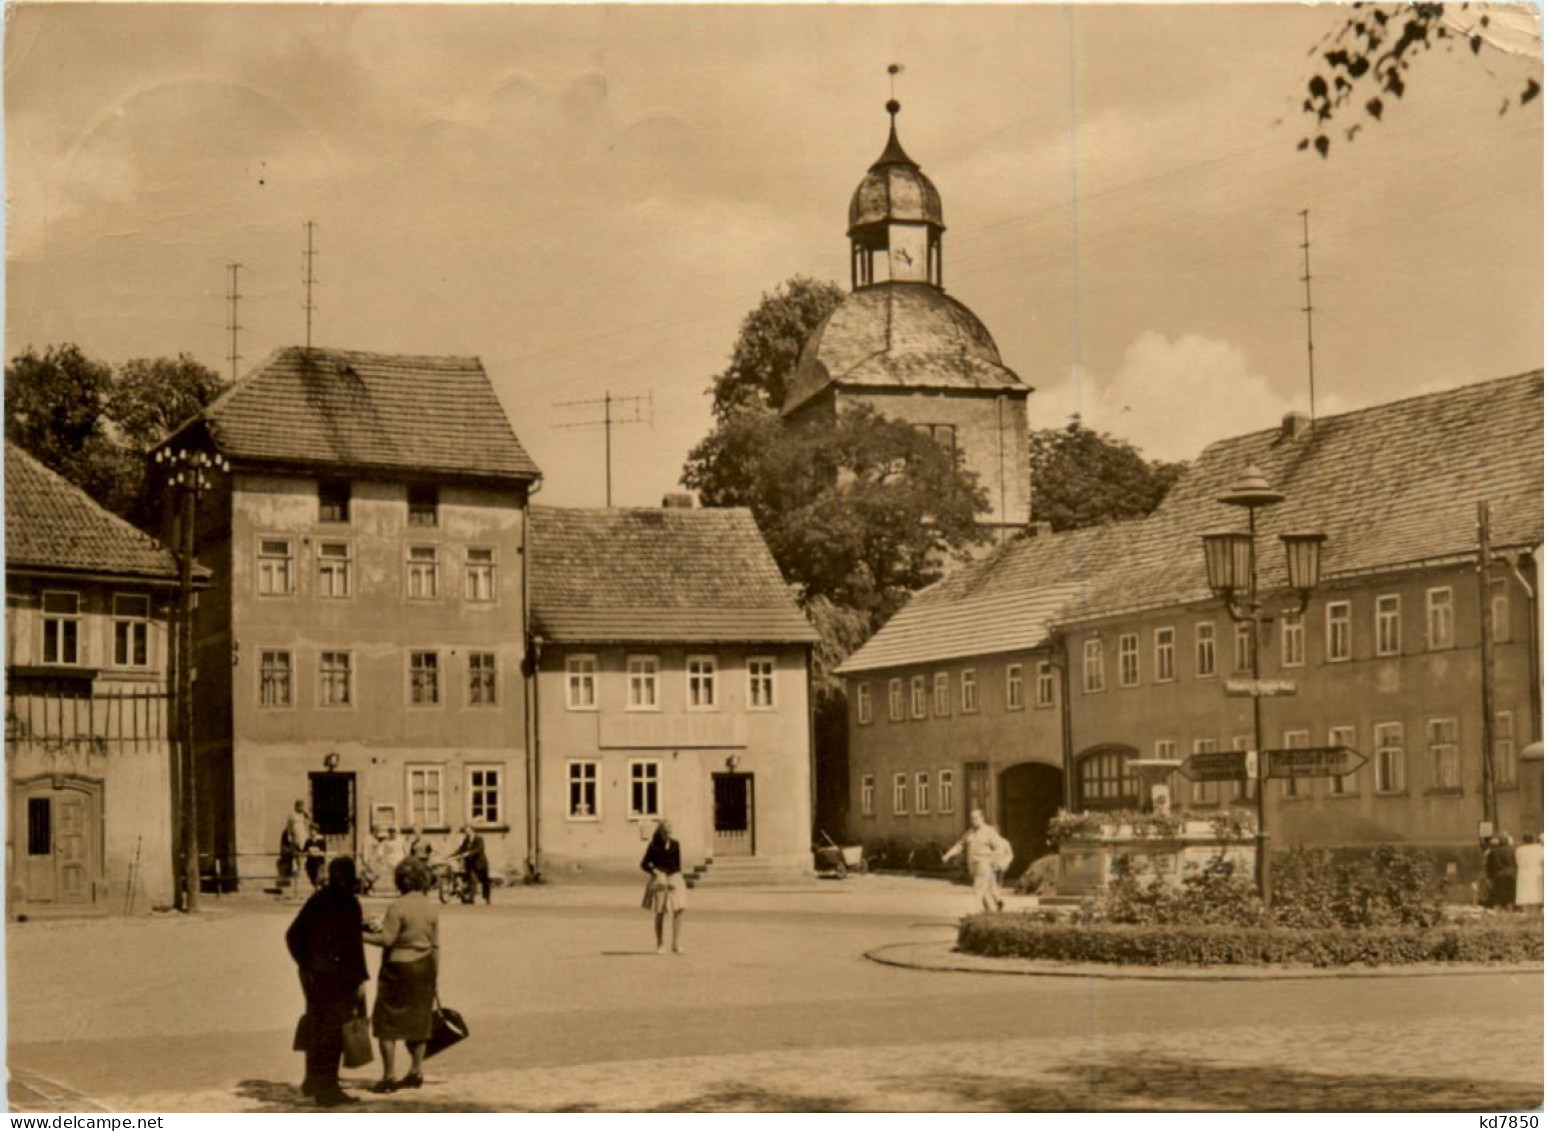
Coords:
pixel 424 503
pixel 333 500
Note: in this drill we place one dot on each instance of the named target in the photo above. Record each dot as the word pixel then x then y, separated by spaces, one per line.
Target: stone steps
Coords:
pixel 743 871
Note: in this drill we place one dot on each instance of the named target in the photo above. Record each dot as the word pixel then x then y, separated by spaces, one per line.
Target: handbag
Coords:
pixel 652 885
pixel 447 1028
pixel 303 1038
pixel 357 1042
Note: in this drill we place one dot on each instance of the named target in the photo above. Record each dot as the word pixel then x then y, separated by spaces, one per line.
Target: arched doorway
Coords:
pixel 57 820
pixel 1030 794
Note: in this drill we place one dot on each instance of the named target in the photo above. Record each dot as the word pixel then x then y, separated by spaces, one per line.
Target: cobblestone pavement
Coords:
pixel 773 1009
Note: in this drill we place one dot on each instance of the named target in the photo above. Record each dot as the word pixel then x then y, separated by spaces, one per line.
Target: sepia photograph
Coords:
pixel 773 558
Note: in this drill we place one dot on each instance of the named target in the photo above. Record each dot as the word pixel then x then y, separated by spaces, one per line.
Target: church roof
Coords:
pixel 899 336
pixel 894 188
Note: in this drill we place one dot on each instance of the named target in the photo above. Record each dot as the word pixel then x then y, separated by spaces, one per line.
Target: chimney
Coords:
pixel 1039 529
pixel 677 501
pixel 1294 426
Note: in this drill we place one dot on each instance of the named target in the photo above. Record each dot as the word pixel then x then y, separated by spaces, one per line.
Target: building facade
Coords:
pixel 89 771
pixel 672 682
pixel 361 649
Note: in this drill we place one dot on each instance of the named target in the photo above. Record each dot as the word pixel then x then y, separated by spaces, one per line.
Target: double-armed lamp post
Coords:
pixel 1231 559
pixel 189 474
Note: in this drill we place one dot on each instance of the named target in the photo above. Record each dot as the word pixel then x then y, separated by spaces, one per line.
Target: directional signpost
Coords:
pixel 1218 765
pixel 1314 762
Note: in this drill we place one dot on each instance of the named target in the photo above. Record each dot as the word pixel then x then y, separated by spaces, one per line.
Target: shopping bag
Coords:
pixel 357 1042
pixel 303 1038
pixel 447 1028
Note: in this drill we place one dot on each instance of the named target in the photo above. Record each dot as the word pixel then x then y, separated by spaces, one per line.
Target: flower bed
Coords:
pixel 1127 944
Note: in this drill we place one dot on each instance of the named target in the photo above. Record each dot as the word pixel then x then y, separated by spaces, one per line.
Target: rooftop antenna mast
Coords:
pixel 1306 278
pixel 309 279
pixel 232 297
pixel 634 410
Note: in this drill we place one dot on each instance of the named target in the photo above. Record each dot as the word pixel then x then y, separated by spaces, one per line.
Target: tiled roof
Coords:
pixel 894 188
pixel 346 408
pixel 664 575
pixel 899 336
pixel 52 524
pixel 1390 486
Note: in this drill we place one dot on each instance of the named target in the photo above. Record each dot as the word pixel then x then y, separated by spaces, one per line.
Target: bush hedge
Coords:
pixel 1131 944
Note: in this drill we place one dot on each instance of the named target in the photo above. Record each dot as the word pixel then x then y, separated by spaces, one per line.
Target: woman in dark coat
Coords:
pixel 666 890
pixel 325 941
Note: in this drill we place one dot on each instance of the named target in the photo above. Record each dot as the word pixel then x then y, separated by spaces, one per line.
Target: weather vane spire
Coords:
pixel 893 71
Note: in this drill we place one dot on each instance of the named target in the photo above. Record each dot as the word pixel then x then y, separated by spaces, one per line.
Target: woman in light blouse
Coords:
pixel 405 994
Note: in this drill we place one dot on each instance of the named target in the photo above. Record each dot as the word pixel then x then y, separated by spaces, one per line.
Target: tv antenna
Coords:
pixel 615 411
pixel 232 297
pixel 309 279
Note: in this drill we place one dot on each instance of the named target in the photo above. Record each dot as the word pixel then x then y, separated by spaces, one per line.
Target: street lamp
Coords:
pixel 189 474
pixel 1231 562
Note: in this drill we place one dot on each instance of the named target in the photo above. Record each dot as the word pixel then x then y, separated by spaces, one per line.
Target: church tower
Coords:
pixel 900 345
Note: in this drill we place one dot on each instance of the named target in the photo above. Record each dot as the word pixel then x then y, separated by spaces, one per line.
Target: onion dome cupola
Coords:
pixel 895 223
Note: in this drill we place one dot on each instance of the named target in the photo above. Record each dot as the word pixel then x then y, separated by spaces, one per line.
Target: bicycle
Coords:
pixel 452 881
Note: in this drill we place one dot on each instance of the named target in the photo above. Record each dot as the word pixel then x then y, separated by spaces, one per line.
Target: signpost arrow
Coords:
pixel 1217 765
pixel 1314 762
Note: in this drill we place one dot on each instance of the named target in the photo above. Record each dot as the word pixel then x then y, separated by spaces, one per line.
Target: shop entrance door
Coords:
pixel 734 833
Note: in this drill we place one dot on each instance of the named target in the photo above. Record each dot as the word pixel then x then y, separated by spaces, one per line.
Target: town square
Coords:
pixel 774 559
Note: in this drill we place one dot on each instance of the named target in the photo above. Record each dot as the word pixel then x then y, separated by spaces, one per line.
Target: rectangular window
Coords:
pixel 424 573
pixel 645 788
pixel 701 683
pixel 1439 628
pixel 1347 784
pixel 427 796
pixel 969 691
pixel 583 791
pixel 424 679
pixel 486 801
pixel 1128 660
pixel 1292 640
pixel 916 697
pixel 274 678
pixel 478 573
pixel 40 826
pixel 863 703
pixel 1390 758
pixel 580 681
pixel 1204 792
pixel 1389 625
pixel 942 694
pixel 895 699
pixel 1093 670
pixel 1241 647
pixel 760 683
pixel 1203 649
pixel 334 686
pixel 1247 789
pixel 333 561
pixel 868 795
pixel 899 794
pixel 1505 749
pixel 276 567
pixel 922 791
pixel 1339 640
pixel 947 791
pixel 645 687
pixel 1445 759
pixel 1166 655
pixel 131 630
pixel 1499 609
pixel 1296 740
pixel 1044 693
pixel 424 504
pixel 483 680
pixel 1013 688
pixel 333 500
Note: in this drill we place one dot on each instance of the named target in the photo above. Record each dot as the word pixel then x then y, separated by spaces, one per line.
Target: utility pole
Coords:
pixel 1306 277
pixel 309 279
pixel 638 410
pixel 232 297
pixel 1486 665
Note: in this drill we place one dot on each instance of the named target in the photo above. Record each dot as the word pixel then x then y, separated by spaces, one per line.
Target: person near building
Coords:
pixel 1529 873
pixel 419 846
pixel 988 855
pixel 325 942
pixel 405 986
pixel 316 853
pixel 1500 871
pixel 293 838
pixel 475 860
pixel 666 890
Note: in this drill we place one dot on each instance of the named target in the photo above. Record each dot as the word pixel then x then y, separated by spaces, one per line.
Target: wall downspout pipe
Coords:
pixel 532 647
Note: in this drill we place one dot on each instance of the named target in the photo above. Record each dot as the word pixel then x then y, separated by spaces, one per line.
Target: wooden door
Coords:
pixel 333 810
pixel 734 834
pixel 61 833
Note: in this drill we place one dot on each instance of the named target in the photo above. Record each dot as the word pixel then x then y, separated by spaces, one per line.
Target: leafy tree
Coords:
pixel 152 396
pixel 769 344
pixel 1366 60
pixel 1081 477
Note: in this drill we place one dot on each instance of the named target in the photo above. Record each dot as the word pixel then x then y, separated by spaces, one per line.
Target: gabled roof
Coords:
pixel 673 575
pixel 54 526
pixel 369 411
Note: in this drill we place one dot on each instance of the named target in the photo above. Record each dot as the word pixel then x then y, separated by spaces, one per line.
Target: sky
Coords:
pixel 589 198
